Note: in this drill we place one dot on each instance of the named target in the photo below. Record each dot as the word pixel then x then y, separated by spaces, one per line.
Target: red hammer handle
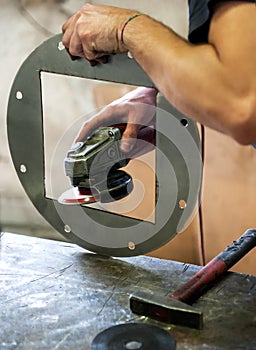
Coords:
pixel 201 281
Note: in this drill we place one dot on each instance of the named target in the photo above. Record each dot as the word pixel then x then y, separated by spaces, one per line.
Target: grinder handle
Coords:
pixel 202 280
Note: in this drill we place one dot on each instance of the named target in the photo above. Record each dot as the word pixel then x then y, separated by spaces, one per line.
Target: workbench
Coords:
pixel 55 295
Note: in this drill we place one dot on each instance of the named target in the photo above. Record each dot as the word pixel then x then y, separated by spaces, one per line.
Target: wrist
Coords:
pixel 121 35
pixel 147 91
pixel 126 23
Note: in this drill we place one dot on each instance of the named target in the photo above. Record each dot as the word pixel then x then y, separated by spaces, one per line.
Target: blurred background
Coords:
pixel 229 181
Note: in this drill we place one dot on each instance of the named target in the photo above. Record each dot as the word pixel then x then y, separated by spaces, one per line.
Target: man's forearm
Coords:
pixel 192 77
pixel 212 83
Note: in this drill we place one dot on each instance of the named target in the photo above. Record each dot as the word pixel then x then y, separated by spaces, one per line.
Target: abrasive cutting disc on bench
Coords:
pixel 134 336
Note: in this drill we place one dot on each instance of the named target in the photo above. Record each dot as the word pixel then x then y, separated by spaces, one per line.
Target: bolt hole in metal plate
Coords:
pixel 178 165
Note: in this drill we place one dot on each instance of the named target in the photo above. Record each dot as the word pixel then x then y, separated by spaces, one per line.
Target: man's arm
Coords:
pixel 213 83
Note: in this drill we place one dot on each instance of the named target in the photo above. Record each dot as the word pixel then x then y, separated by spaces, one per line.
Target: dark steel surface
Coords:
pixel 56 295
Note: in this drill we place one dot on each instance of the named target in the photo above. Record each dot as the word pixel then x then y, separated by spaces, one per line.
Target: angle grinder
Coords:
pixel 93 168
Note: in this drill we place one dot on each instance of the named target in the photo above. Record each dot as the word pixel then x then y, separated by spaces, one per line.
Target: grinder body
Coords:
pixel 93 167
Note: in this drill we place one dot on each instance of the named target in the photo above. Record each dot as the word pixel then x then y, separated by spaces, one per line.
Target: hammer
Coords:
pixel 175 308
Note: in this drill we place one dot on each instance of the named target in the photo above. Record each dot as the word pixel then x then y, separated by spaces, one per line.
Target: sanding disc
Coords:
pixel 74 196
pixel 117 186
pixel 134 336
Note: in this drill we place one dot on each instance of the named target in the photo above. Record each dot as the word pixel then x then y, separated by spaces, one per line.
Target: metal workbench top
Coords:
pixel 56 295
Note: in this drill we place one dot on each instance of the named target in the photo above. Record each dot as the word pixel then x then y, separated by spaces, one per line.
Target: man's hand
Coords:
pixel 135 109
pixel 213 83
pixel 95 31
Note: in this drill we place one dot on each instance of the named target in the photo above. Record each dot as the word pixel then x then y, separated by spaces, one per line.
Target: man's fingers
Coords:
pixel 103 118
pixel 66 24
pixel 86 130
pixel 129 137
pixel 103 59
pixel 68 29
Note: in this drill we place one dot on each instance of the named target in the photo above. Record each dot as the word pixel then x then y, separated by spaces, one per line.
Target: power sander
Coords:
pixel 93 168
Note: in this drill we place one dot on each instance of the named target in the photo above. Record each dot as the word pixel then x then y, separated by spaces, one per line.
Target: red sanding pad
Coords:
pixel 74 196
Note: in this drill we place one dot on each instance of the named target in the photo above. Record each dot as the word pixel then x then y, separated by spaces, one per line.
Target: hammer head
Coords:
pixel 165 309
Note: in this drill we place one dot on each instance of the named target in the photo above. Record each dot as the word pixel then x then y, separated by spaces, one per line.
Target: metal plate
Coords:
pixel 178 161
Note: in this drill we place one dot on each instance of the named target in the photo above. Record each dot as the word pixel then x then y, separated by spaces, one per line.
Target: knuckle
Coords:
pixel 85 126
pixel 63 28
pixel 73 51
pixel 86 7
pixel 65 42
pixel 82 32
pixel 90 56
